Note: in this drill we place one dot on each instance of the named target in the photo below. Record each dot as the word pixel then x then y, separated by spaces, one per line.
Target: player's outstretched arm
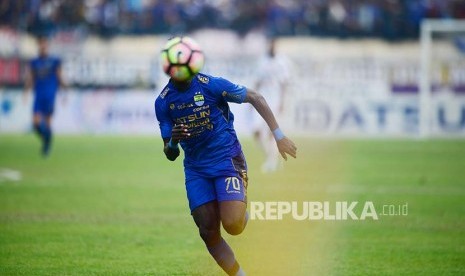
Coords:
pixel 171 148
pixel 61 82
pixel 28 83
pixel 285 145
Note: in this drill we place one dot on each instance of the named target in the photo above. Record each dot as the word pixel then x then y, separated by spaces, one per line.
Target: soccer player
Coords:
pixel 195 114
pixel 44 76
pixel 273 79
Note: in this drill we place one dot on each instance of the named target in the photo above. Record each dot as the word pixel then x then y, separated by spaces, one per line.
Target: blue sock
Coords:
pixel 39 131
pixel 224 257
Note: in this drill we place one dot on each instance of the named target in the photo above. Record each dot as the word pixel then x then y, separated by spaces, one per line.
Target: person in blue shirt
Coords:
pixel 195 115
pixel 43 76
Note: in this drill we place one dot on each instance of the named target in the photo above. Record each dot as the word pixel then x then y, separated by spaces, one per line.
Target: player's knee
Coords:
pixel 233 227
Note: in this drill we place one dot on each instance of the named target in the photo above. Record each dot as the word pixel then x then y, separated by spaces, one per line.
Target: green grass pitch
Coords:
pixel 116 206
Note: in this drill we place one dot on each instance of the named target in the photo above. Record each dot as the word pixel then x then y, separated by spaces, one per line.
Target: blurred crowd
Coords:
pixel 389 19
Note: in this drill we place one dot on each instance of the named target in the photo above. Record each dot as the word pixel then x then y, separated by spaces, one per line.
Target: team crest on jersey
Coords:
pixel 198 99
pixel 171 106
pixel 203 79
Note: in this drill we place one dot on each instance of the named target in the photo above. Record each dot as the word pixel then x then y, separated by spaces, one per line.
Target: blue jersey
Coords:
pixel 44 73
pixel 204 109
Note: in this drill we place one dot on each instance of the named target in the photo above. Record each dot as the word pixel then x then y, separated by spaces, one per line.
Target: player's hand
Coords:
pixel 179 132
pixel 286 146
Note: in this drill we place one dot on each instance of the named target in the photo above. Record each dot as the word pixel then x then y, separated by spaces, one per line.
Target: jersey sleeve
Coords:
pixel 164 120
pixel 228 91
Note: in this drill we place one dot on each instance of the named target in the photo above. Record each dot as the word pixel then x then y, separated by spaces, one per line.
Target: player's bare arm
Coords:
pixel 62 84
pixel 60 78
pixel 28 82
pixel 171 148
pixel 285 145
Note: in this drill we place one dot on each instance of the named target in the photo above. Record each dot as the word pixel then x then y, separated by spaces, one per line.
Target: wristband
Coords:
pixel 171 145
pixel 278 134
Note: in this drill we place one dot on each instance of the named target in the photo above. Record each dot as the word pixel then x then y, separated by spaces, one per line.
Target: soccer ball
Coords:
pixel 182 58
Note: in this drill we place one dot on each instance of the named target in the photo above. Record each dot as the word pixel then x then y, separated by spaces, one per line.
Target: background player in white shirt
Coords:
pixel 273 82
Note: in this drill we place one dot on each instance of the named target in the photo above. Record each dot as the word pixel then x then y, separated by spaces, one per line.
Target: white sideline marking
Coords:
pixel 9 175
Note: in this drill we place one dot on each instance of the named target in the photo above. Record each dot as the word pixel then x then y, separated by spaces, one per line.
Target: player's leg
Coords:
pixel 205 211
pixel 43 110
pixel 233 216
pixel 46 109
pixel 37 124
pixel 271 150
pixel 40 127
pixel 257 138
pixel 256 126
pixel 37 117
pixel 207 219
pixel 231 192
pixel 272 153
pixel 47 134
pixel 260 135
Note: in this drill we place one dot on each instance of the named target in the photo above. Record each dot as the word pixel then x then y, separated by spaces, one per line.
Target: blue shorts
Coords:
pixel 227 183
pixel 43 106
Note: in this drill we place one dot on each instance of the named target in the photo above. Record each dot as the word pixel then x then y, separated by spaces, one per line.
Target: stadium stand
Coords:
pixel 391 20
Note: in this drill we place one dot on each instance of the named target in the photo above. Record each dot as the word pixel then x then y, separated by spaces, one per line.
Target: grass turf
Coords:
pixel 115 206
